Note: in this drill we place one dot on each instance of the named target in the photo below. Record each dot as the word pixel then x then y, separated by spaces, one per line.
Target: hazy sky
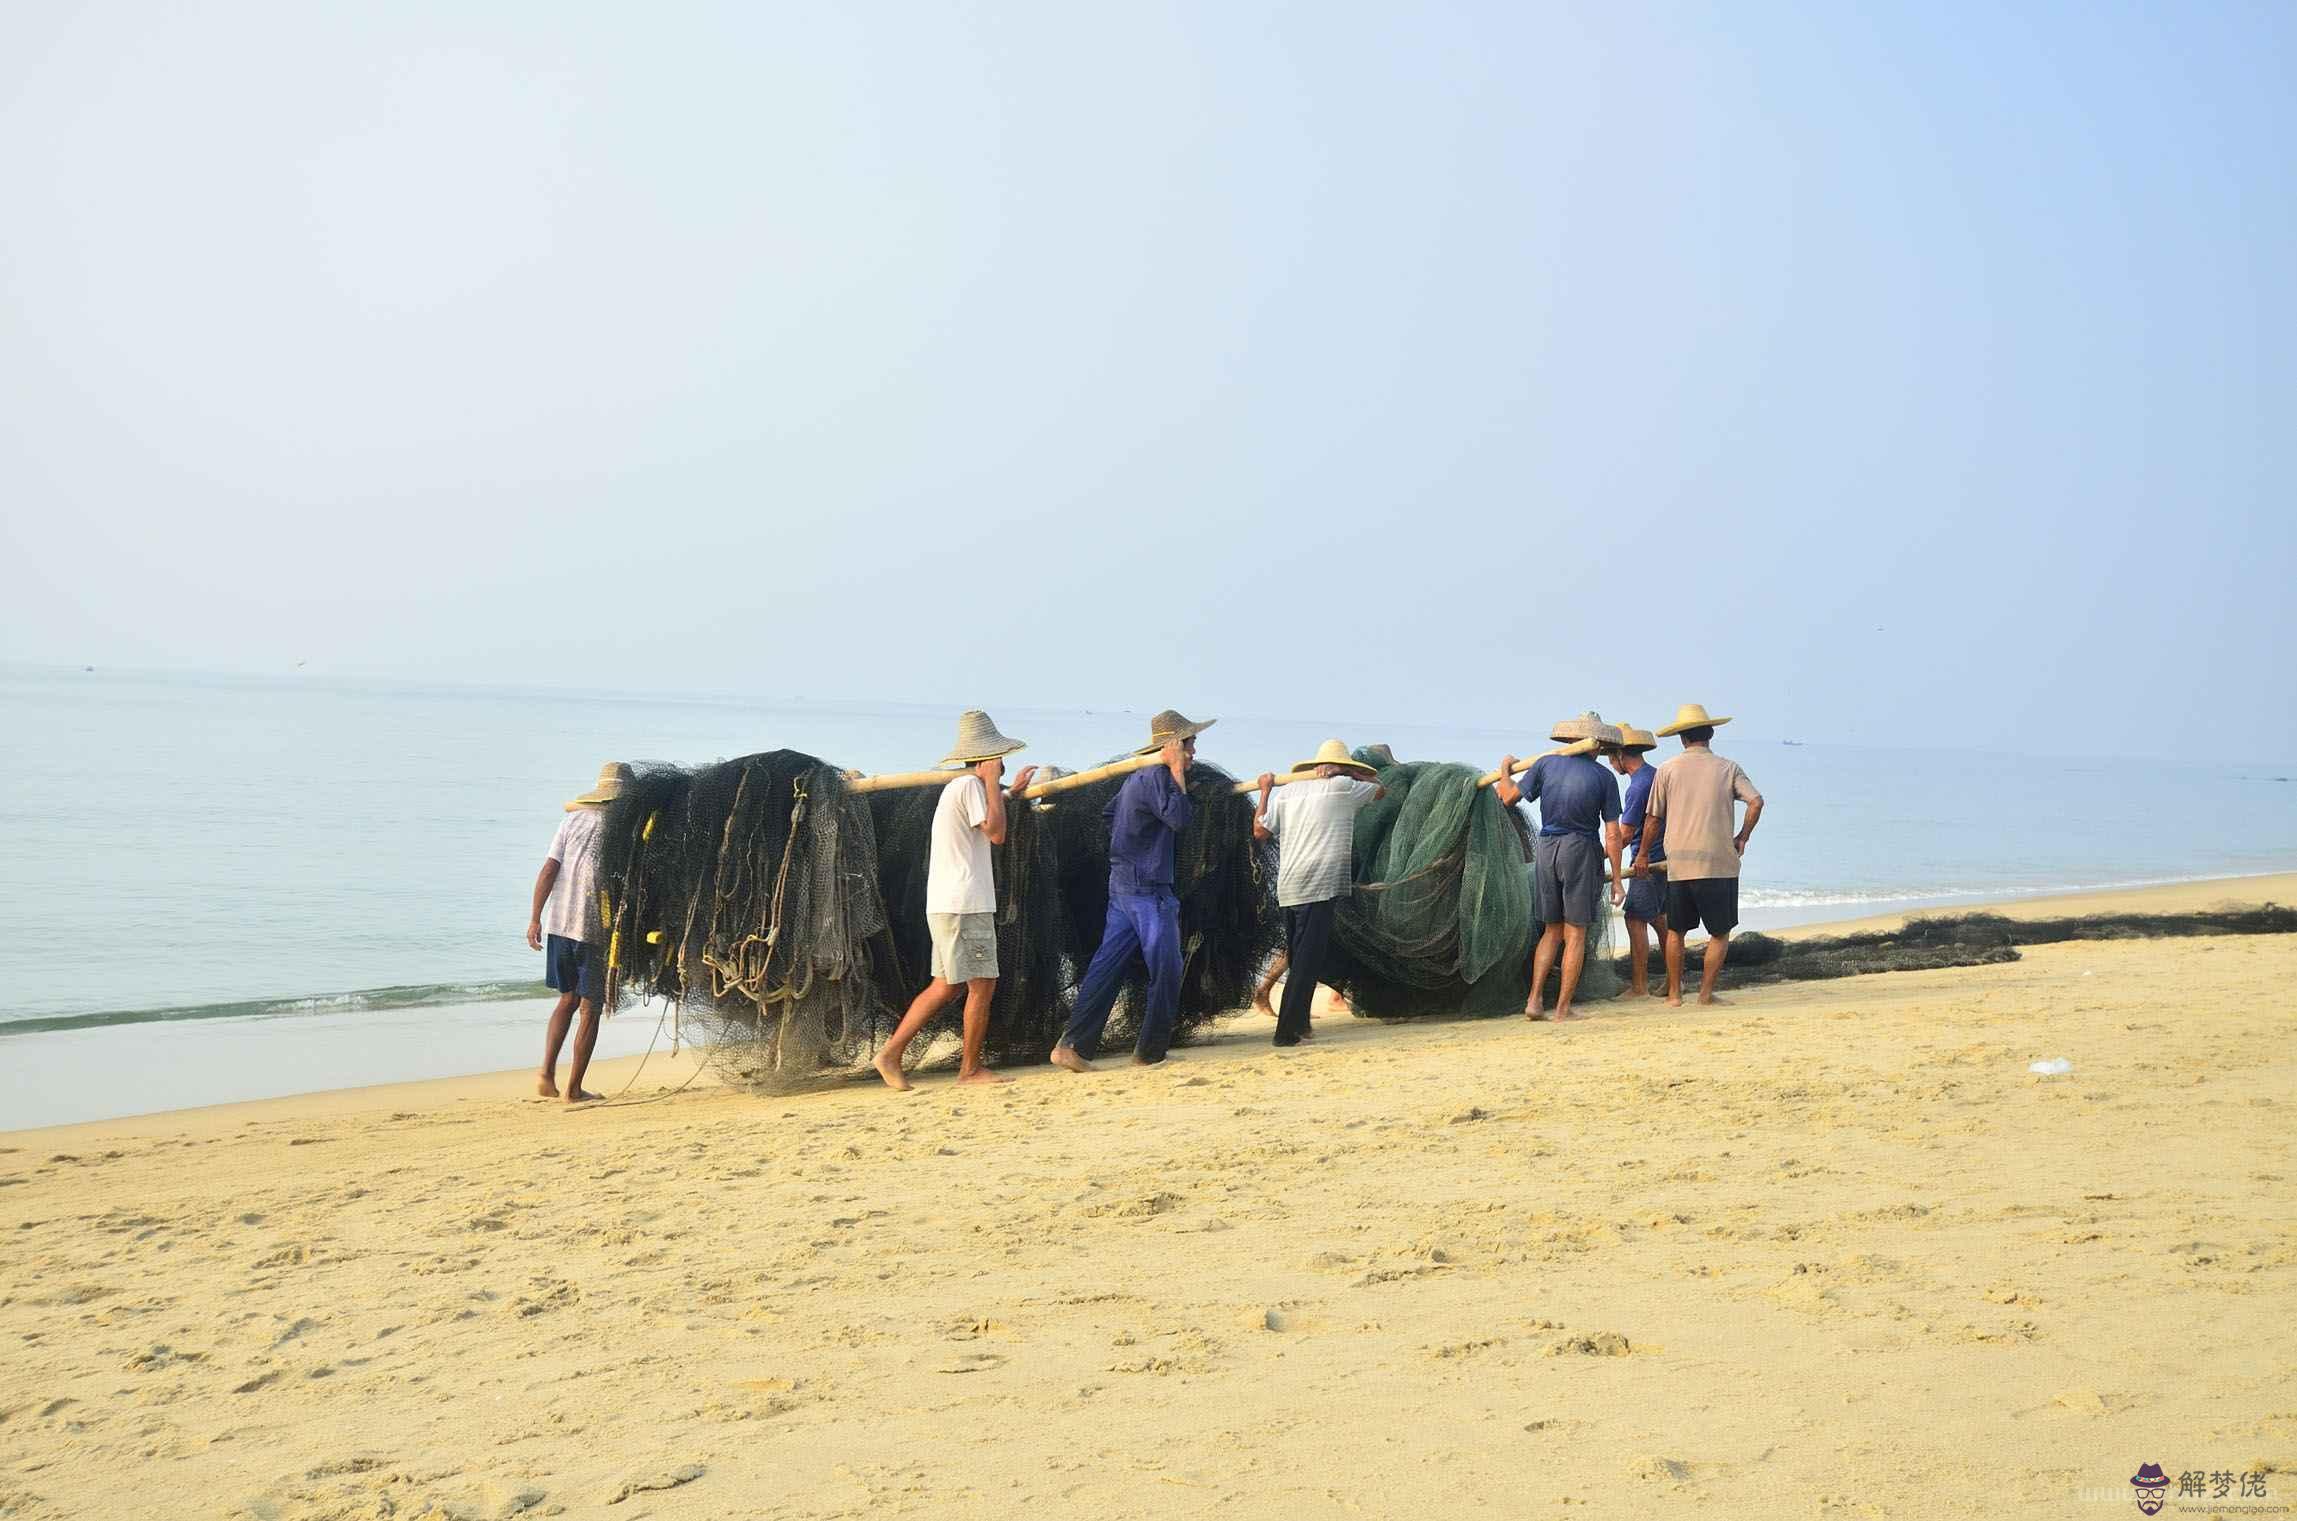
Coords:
pixel 1915 373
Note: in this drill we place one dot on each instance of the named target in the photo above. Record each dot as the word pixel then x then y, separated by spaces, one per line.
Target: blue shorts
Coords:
pixel 574 966
pixel 1647 898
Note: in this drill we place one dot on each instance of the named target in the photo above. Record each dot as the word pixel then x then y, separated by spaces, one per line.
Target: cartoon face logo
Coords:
pixel 2152 1486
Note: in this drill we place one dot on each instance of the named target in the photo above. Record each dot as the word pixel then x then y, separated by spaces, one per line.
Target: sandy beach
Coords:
pixel 1828 1251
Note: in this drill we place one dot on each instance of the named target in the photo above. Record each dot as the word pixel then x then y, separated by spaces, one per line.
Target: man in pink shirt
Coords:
pixel 1689 813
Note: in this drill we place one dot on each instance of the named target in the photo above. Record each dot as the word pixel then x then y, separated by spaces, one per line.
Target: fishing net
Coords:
pixel 784 915
pixel 1442 918
pixel 747 894
pixel 1949 940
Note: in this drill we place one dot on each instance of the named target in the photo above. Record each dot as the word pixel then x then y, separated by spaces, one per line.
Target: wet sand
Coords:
pixel 1829 1251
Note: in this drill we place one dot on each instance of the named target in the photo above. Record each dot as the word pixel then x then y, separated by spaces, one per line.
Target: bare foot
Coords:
pixel 1706 998
pixel 1535 1014
pixel 1066 1057
pixel 979 1077
pixel 546 1087
pixel 1340 1004
pixel 585 1096
pixel 1674 1000
pixel 891 1071
pixel 1260 1002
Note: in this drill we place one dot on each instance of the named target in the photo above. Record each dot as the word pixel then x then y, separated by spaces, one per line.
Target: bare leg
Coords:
pixel 585 1041
pixel 1638 954
pixel 978 992
pixel 1260 994
pixel 923 1007
pixel 1574 959
pixel 561 1016
pixel 1718 947
pixel 1674 967
pixel 1543 962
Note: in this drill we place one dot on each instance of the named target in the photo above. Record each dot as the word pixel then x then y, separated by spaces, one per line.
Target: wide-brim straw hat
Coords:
pixel 1632 738
pixel 1691 716
pixel 978 740
pixel 1587 746
pixel 1333 753
pixel 612 777
pixel 1588 725
pixel 1169 726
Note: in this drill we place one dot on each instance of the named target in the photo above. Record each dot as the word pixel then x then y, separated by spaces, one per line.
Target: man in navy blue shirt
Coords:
pixel 1646 906
pixel 1578 801
pixel 1144 818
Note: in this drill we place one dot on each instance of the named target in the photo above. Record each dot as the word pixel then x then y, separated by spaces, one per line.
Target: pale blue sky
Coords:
pixel 1912 373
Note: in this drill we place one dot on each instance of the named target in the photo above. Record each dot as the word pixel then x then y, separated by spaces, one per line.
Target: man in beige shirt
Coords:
pixel 1689 813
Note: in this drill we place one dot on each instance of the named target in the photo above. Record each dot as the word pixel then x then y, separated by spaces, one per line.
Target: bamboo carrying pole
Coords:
pixel 1282 777
pixel 898 779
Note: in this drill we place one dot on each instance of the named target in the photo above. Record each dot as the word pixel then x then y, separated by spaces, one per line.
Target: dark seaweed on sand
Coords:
pixel 1981 939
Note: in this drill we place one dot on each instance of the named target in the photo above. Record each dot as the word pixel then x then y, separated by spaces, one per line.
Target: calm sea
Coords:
pixel 229 887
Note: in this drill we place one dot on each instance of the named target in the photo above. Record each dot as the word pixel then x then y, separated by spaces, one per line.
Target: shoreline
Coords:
pixel 610 1074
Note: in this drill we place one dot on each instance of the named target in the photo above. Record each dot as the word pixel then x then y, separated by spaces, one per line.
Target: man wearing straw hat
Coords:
pixel 1689 812
pixel 567 924
pixel 1144 818
pixel 1314 823
pixel 1646 906
pixel 1578 807
pixel 961 898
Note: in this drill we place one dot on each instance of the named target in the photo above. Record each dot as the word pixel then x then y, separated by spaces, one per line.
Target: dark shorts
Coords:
pixel 1647 898
pixel 574 966
pixel 1709 901
pixel 1567 873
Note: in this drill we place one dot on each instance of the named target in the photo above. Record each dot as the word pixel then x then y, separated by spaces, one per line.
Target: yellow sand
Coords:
pixel 1831 1251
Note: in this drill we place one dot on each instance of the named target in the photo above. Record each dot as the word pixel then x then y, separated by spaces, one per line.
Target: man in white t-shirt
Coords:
pixel 961 897
pixel 568 926
pixel 1314 823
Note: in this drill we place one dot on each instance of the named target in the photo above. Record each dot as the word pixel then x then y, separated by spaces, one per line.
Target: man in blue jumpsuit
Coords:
pixel 1144 818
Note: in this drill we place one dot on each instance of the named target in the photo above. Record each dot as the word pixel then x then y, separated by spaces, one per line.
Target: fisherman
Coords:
pixel 1315 822
pixel 961 897
pixel 1382 758
pixel 1689 814
pixel 1144 818
pixel 1646 906
pixel 1578 802
pixel 566 910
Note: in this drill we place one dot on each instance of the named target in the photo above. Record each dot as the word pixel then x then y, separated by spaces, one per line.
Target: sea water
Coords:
pixel 220 887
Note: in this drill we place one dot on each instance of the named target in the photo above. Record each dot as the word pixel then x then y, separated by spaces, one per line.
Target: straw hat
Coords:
pixel 612 777
pixel 1632 738
pixel 1587 746
pixel 1333 753
pixel 1588 725
pixel 1169 726
pixel 1691 716
pixel 978 740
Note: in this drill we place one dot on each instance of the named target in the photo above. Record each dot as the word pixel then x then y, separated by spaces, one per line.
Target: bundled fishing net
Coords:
pixel 1442 917
pixel 1948 940
pixel 747 894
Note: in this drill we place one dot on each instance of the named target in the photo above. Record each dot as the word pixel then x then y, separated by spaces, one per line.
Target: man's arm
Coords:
pixel 1260 829
pixel 1747 827
pixel 1505 789
pixel 990 773
pixel 1171 804
pixel 544 880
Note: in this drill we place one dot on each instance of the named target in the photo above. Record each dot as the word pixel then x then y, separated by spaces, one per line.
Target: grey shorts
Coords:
pixel 964 946
pixel 1567 870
